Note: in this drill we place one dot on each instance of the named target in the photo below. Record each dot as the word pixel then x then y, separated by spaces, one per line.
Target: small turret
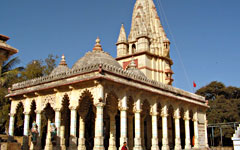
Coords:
pixel 122 48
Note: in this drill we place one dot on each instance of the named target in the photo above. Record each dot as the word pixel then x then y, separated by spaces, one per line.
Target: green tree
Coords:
pixel 224 105
pixel 9 76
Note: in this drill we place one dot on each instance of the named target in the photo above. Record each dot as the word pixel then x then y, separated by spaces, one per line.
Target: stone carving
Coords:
pixel 48 99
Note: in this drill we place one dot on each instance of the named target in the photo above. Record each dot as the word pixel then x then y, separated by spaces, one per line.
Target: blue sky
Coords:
pixel 206 33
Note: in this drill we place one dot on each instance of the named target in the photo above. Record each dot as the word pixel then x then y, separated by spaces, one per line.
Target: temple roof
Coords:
pixel 62 67
pixel 5 46
pixel 97 56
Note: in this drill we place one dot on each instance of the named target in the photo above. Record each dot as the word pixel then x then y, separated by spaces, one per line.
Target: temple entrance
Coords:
pixel 65 119
pixel 146 126
pixel 191 128
pixel 182 128
pixel 171 127
pixel 130 123
pixel 86 112
pixel 47 117
pixel 159 124
pixel 19 120
pixel 111 117
pixel 32 114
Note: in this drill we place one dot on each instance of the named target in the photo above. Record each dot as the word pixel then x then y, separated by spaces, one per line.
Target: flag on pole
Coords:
pixel 194 84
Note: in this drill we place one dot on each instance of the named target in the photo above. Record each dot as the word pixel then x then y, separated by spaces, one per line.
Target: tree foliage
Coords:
pixel 224 105
pixel 11 74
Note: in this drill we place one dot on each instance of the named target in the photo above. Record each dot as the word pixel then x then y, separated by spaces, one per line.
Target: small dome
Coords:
pixel 97 56
pixel 62 67
pixel 132 67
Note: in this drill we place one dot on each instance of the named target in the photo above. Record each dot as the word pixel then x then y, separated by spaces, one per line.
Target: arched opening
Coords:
pixel 191 128
pixel 146 126
pixel 159 123
pixel 47 117
pixel 111 118
pixel 86 112
pixel 19 120
pixel 133 48
pixel 182 128
pixel 32 114
pixel 65 119
pixel 130 123
pixel 171 127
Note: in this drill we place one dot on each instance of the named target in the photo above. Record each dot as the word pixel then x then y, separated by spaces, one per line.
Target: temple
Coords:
pixel 102 102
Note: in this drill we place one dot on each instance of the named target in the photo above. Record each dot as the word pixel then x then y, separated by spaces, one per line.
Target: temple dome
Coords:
pixel 62 67
pixel 132 67
pixel 97 56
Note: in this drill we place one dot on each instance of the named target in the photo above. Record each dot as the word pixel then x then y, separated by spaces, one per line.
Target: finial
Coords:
pixel 97 46
pixel 98 40
pixel 63 61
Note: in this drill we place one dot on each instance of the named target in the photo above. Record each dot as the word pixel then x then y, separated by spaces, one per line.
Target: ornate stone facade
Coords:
pixel 99 105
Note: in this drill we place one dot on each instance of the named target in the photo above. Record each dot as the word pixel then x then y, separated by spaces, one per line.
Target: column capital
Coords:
pixel 176 116
pixel 72 107
pixel 57 109
pixel 194 119
pixel 11 114
pixel 154 113
pixel 123 108
pixel 137 110
pixel 26 113
pixel 100 104
pixel 186 118
pixel 164 115
pixel 38 111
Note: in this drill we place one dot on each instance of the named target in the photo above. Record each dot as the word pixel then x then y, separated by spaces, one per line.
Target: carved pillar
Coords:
pixel 73 129
pixel 123 119
pixel 62 138
pixel 58 123
pixel 130 131
pixel 195 122
pixel 38 122
pixel 137 112
pixel 99 139
pixel 164 115
pixel 11 124
pixel 142 131
pixel 187 130
pixel 48 145
pixel 206 136
pixel 177 129
pixel 26 130
pixel 81 140
pixel 112 139
pixel 154 114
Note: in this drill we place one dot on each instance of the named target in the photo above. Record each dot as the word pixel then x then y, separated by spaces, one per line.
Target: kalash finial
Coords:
pixel 97 46
pixel 63 61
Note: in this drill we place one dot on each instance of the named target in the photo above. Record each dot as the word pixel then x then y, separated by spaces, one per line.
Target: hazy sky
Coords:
pixel 206 33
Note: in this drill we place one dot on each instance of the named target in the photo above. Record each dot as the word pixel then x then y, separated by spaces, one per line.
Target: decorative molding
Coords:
pixel 108 68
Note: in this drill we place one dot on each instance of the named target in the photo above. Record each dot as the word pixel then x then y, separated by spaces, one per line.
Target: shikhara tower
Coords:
pixel 147 43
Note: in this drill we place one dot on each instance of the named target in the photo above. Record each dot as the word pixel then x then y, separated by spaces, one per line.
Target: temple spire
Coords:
pixel 122 35
pixel 63 61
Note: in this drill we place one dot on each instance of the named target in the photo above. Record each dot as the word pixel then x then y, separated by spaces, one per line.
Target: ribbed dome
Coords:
pixel 62 67
pixel 96 56
pixel 132 67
